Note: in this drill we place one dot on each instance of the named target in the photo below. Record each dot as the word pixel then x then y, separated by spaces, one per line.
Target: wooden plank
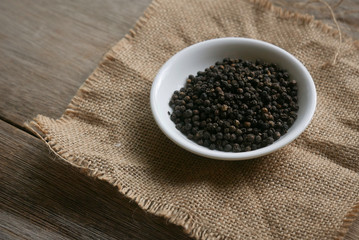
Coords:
pixel 48 49
pixel 43 198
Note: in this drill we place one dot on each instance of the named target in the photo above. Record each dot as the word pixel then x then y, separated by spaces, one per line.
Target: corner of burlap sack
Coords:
pixel 37 126
pixel 172 214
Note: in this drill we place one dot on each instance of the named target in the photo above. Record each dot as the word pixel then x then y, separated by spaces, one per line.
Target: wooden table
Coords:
pixel 47 50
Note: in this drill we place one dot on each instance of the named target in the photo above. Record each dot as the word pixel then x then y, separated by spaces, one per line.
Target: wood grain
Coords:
pixel 44 198
pixel 49 48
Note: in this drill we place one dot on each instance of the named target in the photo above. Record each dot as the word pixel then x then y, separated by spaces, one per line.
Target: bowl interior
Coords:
pixel 174 73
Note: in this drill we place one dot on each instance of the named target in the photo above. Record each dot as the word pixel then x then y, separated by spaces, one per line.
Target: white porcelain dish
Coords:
pixel 173 74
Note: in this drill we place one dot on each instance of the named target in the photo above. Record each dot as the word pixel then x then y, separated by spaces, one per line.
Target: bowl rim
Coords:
pixel 231 156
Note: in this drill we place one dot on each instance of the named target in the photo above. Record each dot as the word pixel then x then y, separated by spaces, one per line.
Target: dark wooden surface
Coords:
pixel 47 50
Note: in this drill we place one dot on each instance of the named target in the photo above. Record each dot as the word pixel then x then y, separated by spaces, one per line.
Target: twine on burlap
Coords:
pixel 335 22
pixel 307 190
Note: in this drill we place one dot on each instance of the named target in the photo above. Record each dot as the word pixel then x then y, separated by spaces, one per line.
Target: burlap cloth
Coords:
pixel 308 190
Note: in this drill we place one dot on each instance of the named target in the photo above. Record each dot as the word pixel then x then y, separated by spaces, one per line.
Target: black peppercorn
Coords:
pixel 247 124
pixel 236 147
pixel 250 138
pixel 227 147
pixel 258 139
pixel 219 135
pixel 188 113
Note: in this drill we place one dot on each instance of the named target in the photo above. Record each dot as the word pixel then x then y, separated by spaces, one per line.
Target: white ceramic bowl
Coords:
pixel 173 74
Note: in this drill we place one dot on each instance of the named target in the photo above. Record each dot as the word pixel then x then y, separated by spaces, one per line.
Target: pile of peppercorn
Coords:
pixel 236 105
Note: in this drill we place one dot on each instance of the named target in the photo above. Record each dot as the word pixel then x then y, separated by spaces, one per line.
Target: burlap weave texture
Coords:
pixel 307 190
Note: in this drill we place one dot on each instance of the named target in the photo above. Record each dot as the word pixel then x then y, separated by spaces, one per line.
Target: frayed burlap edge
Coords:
pixel 190 225
pixel 172 214
pixel 348 221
